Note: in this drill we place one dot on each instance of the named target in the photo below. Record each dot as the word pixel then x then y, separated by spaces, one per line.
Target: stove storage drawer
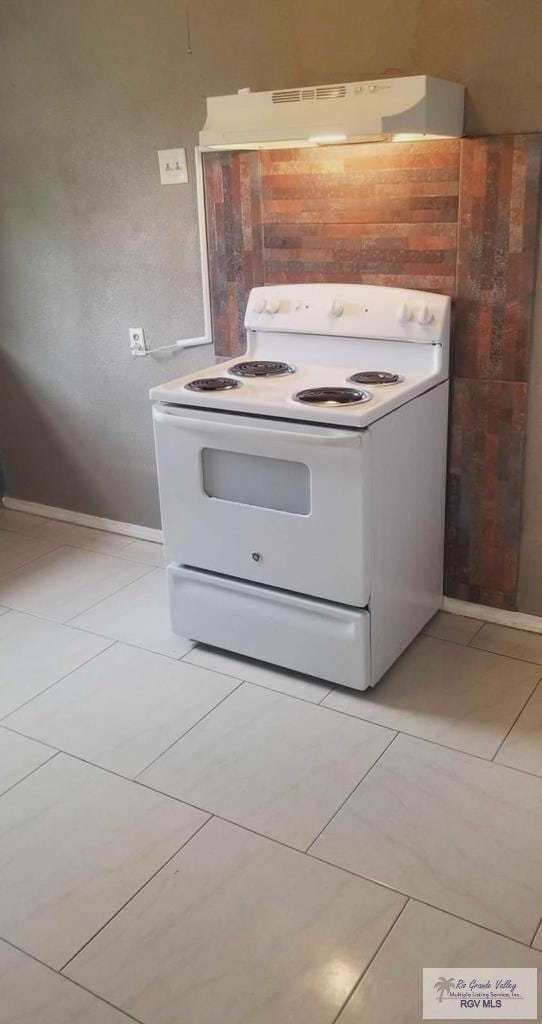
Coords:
pixel 276 502
pixel 300 633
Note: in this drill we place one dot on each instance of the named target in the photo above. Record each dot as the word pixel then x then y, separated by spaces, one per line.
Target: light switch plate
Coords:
pixel 173 169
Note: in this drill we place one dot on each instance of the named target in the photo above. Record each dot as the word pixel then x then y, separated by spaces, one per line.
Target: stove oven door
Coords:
pixel 279 503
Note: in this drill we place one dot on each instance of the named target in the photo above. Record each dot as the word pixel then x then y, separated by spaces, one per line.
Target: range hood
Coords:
pixel 398 109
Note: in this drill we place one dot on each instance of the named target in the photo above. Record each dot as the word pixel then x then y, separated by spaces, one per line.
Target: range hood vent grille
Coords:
pixel 287 96
pixel 322 92
pixel 330 92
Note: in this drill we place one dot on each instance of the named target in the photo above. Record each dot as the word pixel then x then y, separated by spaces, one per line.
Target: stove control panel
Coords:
pixel 350 310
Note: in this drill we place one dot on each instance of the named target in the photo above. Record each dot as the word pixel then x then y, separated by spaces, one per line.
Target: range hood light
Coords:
pixel 417 136
pixel 322 140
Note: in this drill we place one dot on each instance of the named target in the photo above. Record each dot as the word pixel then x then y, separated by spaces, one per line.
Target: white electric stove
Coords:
pixel 302 485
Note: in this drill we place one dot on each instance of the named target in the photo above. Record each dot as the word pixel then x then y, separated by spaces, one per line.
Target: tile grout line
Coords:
pixel 335 686
pixel 473 637
pixel 47 521
pixel 67 544
pixel 59 750
pixel 421 900
pixel 516 719
pixel 65 977
pixel 539 925
pixel 90 632
pixel 347 798
pixel 370 962
pixel 169 796
pixel 43 531
pixel 447 640
pixel 112 643
pixel 265 686
pixel 135 778
pixel 66 622
pixel 481 650
pixel 51 551
pixel 136 782
pixel 54 753
pixel 133 896
pixel 270 689
pixel 127 643
pixel 111 554
pixel 436 743
pixel 150 789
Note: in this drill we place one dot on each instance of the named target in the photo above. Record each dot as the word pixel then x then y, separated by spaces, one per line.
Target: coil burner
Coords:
pixel 332 396
pixel 212 384
pixel 375 377
pixel 261 368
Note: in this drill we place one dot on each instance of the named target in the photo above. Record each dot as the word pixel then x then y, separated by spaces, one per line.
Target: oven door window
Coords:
pixel 257 480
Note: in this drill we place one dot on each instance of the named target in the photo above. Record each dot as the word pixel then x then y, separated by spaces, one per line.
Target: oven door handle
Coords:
pixel 327 439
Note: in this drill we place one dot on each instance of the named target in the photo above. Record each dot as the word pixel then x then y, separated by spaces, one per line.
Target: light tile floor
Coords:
pixel 186 835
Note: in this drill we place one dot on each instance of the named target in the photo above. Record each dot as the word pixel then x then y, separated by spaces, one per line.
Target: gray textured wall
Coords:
pixel 91 243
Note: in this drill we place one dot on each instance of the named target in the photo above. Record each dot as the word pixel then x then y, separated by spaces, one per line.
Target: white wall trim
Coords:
pixel 65 515
pixel 500 616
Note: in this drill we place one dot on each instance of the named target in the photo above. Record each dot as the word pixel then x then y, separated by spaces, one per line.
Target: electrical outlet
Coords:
pixel 138 345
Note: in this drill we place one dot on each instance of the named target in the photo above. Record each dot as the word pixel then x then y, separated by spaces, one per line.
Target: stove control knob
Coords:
pixel 259 305
pixel 272 305
pixel 425 315
pixel 337 308
pixel 404 314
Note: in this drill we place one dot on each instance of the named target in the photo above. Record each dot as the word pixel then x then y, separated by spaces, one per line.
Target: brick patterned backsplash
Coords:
pixel 377 214
pixel 498 223
pixel 363 214
pixel 451 216
pixel 235 236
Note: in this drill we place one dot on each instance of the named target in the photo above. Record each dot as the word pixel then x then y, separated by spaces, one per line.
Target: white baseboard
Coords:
pixel 65 515
pixel 500 616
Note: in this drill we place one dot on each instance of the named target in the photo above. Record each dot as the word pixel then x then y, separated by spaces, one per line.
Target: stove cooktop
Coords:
pixel 340 399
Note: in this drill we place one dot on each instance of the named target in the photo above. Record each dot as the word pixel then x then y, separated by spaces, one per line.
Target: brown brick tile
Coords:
pixel 500 183
pixel 487 433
